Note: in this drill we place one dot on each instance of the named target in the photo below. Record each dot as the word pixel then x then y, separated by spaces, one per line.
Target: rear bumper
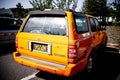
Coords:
pixel 60 69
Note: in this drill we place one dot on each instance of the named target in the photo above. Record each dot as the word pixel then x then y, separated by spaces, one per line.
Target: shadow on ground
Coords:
pixel 7 48
pixel 107 67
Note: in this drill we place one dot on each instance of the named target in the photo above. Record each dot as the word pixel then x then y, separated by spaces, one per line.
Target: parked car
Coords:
pixel 8 29
pixel 57 41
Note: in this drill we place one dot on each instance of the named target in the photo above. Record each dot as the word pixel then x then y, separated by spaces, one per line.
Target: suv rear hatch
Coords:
pixel 44 38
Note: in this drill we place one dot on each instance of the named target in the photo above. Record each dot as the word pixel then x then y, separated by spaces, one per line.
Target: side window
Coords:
pixel 81 23
pixel 97 24
pixel 92 24
pixel 15 24
pixel 9 24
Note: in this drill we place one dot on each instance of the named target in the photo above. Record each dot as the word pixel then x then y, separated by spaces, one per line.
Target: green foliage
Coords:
pixel 116 5
pixel 95 7
pixel 90 7
pixel 114 10
pixel 48 4
pixel 19 11
pixel 41 4
pixel 60 4
pixel 65 4
pixel 74 4
pixel 116 23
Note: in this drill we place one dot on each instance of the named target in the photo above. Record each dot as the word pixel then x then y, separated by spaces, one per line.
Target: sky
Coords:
pixel 12 3
pixel 25 3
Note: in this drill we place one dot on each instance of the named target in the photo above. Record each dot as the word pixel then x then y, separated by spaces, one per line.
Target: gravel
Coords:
pixel 113 33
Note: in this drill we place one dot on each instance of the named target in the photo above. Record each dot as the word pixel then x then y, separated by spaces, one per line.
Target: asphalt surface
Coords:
pixel 106 67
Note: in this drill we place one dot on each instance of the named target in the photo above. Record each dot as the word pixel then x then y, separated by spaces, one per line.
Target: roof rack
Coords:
pixel 75 11
pixel 48 11
pixel 55 11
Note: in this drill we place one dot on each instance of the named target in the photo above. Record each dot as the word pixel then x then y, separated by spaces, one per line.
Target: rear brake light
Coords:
pixel 16 43
pixel 72 52
pixel 17 54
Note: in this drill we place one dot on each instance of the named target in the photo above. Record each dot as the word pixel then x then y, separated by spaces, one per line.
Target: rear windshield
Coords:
pixel 46 25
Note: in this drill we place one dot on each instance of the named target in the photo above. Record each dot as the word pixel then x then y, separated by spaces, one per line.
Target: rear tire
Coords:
pixel 105 44
pixel 103 47
pixel 90 64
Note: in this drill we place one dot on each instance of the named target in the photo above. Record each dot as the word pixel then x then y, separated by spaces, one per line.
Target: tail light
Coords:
pixel 17 54
pixel 72 52
pixel 16 42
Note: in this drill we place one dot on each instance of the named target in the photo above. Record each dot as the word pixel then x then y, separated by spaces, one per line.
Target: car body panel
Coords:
pixel 59 48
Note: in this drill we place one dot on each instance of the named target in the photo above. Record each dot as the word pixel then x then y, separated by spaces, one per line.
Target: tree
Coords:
pixel 116 5
pixel 61 4
pixel 89 7
pixel 96 8
pixel 74 6
pixel 41 4
pixel 102 10
pixel 19 11
pixel 65 4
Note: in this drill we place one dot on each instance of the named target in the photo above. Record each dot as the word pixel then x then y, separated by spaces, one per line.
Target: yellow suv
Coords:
pixel 57 41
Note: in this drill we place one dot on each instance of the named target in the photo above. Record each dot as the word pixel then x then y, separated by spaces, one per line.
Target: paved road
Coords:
pixel 107 67
pixel 9 69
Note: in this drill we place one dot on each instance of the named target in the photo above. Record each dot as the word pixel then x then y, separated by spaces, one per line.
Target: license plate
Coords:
pixel 40 47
